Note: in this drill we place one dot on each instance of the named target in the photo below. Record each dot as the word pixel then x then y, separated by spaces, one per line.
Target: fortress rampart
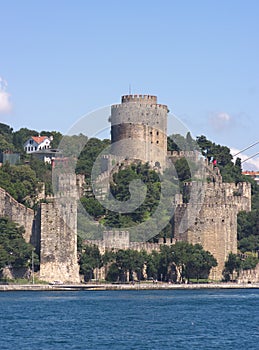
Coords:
pixel 211 219
pixel 115 240
pixel 58 244
pixel 18 213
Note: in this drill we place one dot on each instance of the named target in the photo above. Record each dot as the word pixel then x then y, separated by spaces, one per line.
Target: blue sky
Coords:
pixel 60 60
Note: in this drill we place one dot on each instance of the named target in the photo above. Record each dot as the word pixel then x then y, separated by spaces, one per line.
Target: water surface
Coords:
pixel 139 320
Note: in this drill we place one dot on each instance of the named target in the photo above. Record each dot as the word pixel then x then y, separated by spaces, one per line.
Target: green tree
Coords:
pixel 232 265
pixel 20 181
pixel 199 263
pixel 183 261
pixel 89 154
pixel 6 138
pixel 14 251
pixel 183 169
pixel 56 135
pixel 211 150
pixel 152 264
pixel 113 273
pixel 90 259
pixel 21 136
pixel 43 172
pixel 249 263
pixel 120 189
pixel 177 142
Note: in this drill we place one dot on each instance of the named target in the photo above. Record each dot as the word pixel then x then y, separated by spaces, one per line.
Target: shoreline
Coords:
pixel 126 287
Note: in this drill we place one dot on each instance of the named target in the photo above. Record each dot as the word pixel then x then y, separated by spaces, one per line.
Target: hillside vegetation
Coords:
pixel 23 180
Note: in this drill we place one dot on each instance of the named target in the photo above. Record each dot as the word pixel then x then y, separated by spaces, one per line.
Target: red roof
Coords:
pixel 251 173
pixel 39 139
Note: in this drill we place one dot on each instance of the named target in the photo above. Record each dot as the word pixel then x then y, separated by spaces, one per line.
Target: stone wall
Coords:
pixel 223 193
pixel 249 276
pixel 215 228
pixel 58 244
pixel 18 213
pixel 115 240
pixel 210 217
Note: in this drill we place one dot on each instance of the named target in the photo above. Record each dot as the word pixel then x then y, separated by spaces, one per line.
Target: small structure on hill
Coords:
pixel 37 143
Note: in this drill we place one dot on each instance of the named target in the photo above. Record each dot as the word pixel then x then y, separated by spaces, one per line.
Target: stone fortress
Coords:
pixel 138 132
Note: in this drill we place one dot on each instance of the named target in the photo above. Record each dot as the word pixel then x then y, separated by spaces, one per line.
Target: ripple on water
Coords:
pixel 111 320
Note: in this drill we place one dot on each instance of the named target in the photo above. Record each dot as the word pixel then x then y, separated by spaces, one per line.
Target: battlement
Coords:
pixel 208 205
pixel 116 239
pixel 139 98
pixel 120 240
pixel 150 105
pixel 182 205
pixel 183 154
pixel 14 202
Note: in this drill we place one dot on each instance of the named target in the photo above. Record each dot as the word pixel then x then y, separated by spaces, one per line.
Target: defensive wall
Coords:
pixel 52 229
pixel 58 243
pixel 210 217
pixel 249 276
pixel 115 240
pixel 18 213
pixel 58 239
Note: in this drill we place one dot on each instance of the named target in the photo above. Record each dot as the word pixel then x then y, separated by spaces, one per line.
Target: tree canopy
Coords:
pixel 179 263
pixel 14 251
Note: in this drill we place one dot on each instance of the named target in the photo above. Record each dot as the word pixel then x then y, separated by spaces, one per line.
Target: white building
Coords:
pixel 253 174
pixel 37 143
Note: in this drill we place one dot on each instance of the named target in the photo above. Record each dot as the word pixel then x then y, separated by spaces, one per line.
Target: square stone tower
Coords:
pixel 58 243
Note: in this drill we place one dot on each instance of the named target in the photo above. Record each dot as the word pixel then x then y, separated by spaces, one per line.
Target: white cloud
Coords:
pixel 220 121
pixel 5 104
pixel 251 164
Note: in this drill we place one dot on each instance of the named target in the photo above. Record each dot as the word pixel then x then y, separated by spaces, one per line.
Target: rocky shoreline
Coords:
pixel 136 286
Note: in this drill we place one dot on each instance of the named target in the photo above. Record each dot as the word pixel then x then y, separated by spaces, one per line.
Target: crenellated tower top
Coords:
pixel 149 99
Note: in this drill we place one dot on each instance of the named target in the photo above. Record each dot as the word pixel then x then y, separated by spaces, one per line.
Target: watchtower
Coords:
pixel 58 244
pixel 139 129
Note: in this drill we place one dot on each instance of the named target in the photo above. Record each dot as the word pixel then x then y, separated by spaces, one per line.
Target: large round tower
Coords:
pixel 139 129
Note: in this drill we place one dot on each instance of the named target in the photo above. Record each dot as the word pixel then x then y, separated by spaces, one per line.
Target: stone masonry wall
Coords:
pixel 18 213
pixel 58 244
pixel 58 252
pixel 249 276
pixel 215 228
pixel 212 222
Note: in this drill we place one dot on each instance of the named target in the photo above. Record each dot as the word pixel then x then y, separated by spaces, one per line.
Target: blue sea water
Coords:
pixel 139 320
